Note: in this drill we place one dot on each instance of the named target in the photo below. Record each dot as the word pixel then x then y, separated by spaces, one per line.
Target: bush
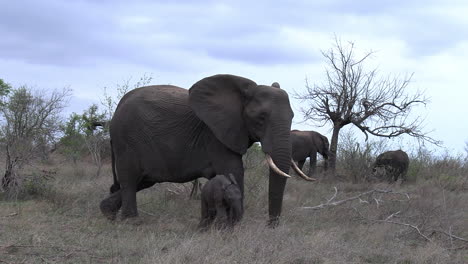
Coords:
pixel 355 159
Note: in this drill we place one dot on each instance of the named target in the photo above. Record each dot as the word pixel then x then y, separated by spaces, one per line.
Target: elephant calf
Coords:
pixel 221 199
pixel 392 165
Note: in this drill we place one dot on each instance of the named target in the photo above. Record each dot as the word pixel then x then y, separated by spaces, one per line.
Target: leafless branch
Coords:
pixel 330 203
pixel 388 220
pixel 352 94
pixel 10 215
pixel 452 236
pixel 334 195
pixel 145 212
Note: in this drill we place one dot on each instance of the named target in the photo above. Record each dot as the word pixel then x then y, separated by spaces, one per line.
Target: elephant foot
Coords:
pixel 128 214
pixel 108 210
pixel 220 225
pixel 110 206
pixel 273 222
pixel 205 224
pixel 135 221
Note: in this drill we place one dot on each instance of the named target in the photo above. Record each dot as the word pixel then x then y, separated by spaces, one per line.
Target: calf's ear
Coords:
pixel 232 178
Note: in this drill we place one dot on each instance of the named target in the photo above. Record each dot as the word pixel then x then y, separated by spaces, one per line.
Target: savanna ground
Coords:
pixel 57 220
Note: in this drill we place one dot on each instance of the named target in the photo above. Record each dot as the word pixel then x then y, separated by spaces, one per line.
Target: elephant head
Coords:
pixel 323 148
pixel 240 112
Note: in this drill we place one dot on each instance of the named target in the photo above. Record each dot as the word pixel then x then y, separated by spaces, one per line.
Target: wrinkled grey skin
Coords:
pixel 306 144
pixel 391 165
pixel 164 133
pixel 221 200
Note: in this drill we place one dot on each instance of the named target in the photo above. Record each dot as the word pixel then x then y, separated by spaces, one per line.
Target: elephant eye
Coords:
pixel 261 118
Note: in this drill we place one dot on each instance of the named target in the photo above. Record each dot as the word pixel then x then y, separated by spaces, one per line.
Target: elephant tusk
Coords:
pixel 300 173
pixel 273 166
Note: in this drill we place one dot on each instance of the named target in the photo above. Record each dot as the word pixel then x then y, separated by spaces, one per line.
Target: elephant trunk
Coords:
pixel 281 155
pixel 275 168
pixel 325 163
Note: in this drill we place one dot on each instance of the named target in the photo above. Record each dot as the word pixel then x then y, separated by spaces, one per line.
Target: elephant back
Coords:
pixel 151 118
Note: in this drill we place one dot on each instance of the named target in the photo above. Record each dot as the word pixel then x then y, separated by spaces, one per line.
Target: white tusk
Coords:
pixel 300 173
pixel 274 167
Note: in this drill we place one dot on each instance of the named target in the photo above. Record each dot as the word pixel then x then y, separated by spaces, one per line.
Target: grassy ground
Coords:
pixel 61 223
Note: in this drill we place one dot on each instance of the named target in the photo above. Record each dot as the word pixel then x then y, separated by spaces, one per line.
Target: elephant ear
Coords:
pixel 276 85
pixel 326 145
pixel 232 178
pixel 219 102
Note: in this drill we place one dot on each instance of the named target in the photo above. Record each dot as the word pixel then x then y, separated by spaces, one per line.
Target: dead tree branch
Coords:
pixel 330 202
pixel 388 220
pixel 452 236
pixel 353 94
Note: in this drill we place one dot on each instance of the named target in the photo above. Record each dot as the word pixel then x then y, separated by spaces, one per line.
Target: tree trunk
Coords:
pixel 8 177
pixel 333 150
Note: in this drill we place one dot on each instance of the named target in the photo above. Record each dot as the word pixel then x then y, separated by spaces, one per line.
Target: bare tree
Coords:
pixel 379 106
pixel 95 139
pixel 29 120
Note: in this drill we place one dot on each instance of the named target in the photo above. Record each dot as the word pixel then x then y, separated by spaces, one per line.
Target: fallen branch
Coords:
pixel 452 236
pixel 14 245
pixel 147 213
pixel 387 220
pixel 10 215
pixel 334 195
pixel 330 202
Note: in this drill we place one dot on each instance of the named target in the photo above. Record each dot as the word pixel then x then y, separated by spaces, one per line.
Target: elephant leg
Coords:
pixel 234 212
pixel 204 212
pixel 145 184
pixel 129 204
pixel 313 164
pixel 207 216
pixel 221 215
pixel 301 164
pixel 131 180
pixel 111 205
pixel 236 168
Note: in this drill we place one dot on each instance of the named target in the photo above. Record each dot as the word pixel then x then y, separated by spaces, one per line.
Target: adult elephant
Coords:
pixel 165 133
pixel 391 165
pixel 306 144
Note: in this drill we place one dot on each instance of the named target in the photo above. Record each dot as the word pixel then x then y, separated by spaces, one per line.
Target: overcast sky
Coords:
pixel 88 45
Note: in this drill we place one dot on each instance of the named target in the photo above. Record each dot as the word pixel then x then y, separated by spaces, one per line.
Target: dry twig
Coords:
pixel 452 236
pixel 387 220
pixel 147 213
pixel 10 215
pixel 330 202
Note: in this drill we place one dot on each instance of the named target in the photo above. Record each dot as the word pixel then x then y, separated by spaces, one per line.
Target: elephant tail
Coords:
pixel 116 185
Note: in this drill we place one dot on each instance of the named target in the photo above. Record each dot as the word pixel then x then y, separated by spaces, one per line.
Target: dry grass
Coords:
pixel 61 223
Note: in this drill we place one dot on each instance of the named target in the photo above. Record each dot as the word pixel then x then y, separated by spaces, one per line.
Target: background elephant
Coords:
pixel 391 165
pixel 306 144
pixel 221 200
pixel 165 133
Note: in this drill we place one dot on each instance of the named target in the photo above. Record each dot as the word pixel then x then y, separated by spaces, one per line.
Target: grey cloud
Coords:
pixel 75 33
pixel 81 33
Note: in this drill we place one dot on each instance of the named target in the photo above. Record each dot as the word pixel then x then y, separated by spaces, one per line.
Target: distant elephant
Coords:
pixel 165 133
pixel 392 165
pixel 221 200
pixel 306 144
